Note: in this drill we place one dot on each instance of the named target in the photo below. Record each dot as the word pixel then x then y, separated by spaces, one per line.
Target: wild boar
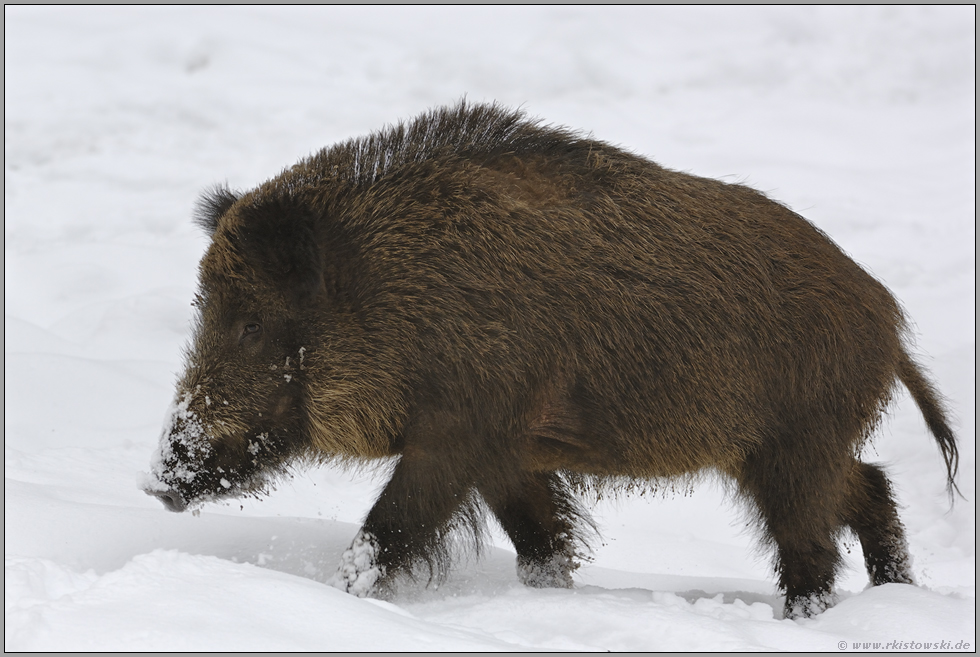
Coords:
pixel 519 313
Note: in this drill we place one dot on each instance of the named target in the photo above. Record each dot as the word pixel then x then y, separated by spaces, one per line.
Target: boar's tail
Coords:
pixel 930 403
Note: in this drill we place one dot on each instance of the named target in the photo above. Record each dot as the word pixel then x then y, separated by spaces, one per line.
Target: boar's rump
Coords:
pixel 520 313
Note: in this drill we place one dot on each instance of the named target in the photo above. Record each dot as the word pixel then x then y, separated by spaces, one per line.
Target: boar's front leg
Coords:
pixel 540 517
pixel 426 497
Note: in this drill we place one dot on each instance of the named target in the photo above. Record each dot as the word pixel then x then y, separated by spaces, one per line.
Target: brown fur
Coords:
pixel 513 310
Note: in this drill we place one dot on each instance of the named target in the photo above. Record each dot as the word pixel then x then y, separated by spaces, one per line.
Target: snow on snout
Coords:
pixel 183 427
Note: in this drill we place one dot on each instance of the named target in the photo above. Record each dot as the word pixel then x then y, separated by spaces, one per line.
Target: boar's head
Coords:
pixel 238 418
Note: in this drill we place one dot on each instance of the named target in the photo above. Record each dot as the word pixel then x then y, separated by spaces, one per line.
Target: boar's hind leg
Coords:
pixel 797 496
pixel 871 513
pixel 406 527
pixel 538 514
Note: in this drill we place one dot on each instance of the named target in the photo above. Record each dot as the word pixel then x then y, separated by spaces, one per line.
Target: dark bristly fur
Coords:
pixel 213 203
pixel 516 311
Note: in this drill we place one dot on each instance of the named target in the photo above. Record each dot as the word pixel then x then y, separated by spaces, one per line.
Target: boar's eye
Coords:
pixel 250 330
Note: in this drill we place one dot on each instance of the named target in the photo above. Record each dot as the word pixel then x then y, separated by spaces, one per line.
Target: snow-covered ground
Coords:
pixel 862 119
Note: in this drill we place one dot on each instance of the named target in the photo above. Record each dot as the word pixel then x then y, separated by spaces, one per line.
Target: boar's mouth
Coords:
pixel 177 500
pixel 194 465
pixel 180 485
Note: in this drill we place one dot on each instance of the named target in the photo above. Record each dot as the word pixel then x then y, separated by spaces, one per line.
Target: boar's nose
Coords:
pixel 170 498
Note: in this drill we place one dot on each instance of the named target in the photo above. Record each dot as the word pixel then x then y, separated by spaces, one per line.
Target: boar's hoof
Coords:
pixel 170 498
pixel 359 572
pixel 808 605
pixel 556 572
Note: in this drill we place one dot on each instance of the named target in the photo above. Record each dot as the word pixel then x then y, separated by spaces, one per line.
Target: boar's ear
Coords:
pixel 214 202
pixel 281 243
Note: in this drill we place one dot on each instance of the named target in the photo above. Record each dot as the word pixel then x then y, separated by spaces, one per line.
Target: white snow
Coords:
pixel 862 119
pixel 358 570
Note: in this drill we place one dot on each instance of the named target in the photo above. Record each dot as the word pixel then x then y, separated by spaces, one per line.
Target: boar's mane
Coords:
pixel 466 131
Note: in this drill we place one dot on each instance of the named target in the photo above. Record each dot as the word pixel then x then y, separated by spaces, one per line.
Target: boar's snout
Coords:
pixel 170 498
